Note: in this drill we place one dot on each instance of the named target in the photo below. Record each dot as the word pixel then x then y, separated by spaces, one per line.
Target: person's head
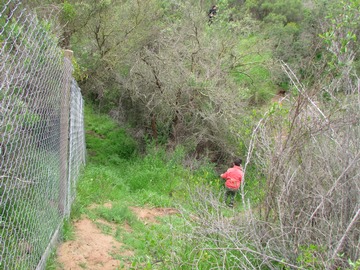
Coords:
pixel 237 161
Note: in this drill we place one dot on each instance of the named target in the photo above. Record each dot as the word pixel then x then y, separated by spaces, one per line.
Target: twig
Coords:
pixel 251 148
pixel 258 253
pixel 293 77
pixel 335 184
pixel 353 221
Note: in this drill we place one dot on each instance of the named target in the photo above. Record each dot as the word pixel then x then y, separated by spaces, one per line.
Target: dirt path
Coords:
pixel 92 249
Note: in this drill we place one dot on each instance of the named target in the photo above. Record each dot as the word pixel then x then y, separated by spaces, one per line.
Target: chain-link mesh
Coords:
pixel 42 137
pixel 76 142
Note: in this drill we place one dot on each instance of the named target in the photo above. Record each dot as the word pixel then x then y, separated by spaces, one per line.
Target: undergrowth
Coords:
pixel 117 174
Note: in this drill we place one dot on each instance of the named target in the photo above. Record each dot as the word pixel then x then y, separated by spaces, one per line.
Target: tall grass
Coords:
pixel 116 172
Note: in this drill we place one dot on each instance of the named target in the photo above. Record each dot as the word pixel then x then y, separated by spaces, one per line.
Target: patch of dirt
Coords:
pixel 149 215
pixel 92 249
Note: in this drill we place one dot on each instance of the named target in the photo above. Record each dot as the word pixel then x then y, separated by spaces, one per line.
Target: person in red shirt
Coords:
pixel 233 178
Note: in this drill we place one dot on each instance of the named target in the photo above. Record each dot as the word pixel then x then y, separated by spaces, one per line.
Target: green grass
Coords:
pixel 106 142
pixel 117 174
pixel 117 214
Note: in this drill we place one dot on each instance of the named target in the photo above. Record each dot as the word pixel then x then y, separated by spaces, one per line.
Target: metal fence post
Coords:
pixel 64 132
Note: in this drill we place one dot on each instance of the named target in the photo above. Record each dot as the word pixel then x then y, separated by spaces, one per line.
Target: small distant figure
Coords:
pixel 212 13
pixel 233 178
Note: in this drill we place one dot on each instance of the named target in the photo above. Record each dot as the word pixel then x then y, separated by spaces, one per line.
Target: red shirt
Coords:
pixel 233 177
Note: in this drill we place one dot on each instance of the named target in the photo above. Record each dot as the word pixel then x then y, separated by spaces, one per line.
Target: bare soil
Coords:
pixel 92 249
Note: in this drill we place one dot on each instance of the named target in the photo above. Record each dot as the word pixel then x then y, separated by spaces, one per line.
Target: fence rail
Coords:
pixel 42 145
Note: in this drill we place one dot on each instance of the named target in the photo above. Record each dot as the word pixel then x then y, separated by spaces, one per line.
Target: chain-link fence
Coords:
pixel 42 147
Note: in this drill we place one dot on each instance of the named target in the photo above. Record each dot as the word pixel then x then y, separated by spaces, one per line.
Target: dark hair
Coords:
pixel 238 161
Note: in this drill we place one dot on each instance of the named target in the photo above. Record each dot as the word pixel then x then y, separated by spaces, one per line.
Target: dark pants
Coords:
pixel 230 193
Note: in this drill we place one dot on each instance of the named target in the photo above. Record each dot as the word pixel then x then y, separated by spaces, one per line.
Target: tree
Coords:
pixel 310 159
pixel 274 11
pixel 308 155
pixel 104 35
pixel 183 81
pixel 341 34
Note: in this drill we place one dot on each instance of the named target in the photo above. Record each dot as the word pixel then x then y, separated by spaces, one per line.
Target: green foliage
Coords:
pixel 288 43
pixel 121 29
pixel 291 10
pixel 118 213
pixel 115 173
pixel 354 265
pixel 51 262
pixel 254 74
pixel 67 230
pixel 343 31
pixel 155 172
pixel 254 184
pixel 156 179
pixel 341 40
pixel 310 257
pixel 154 243
pixel 106 142
pixel 100 183
pixel 11 30
pixel 69 11
pixel 79 72
pixel 283 11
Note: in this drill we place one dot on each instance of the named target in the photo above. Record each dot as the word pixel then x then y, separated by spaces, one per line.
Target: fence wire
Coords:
pixel 42 146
